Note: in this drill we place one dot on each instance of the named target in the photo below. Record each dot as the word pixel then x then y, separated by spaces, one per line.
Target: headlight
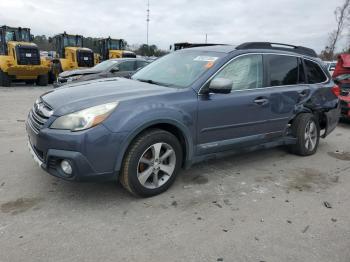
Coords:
pixel 74 78
pixel 85 118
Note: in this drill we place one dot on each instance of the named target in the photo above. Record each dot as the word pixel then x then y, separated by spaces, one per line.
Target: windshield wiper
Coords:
pixel 150 81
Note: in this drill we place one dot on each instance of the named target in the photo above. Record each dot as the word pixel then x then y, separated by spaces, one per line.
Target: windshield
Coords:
pixel 72 41
pixel 114 44
pixel 9 36
pixel 178 69
pixel 104 65
pixel 25 36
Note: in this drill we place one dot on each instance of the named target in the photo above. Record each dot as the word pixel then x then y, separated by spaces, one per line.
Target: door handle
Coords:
pixel 261 101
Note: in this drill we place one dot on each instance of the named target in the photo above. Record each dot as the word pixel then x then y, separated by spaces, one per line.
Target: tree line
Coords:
pixel 342 17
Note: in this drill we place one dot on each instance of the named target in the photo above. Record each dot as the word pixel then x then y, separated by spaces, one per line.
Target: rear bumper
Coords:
pixel 332 118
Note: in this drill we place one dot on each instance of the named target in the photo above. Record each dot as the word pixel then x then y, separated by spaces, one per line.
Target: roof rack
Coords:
pixel 285 47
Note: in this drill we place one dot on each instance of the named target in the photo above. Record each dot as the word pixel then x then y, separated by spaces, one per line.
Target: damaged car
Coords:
pixel 188 106
pixel 341 76
pixel 118 67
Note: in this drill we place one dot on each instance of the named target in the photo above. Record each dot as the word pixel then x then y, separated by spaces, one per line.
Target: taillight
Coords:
pixel 336 90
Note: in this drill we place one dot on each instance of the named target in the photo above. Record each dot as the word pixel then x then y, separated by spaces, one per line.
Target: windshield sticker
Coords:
pixel 205 58
pixel 209 65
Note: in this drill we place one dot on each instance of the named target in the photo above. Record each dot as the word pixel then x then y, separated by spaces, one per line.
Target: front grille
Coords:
pixel 52 163
pixel 37 118
pixel 85 58
pixel 27 55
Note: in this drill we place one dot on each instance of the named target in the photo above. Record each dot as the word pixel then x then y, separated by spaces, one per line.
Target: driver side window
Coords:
pixel 246 72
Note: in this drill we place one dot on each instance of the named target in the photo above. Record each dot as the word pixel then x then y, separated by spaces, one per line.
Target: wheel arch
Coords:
pixel 180 131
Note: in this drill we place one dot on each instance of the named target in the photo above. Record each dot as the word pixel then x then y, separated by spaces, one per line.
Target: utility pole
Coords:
pixel 206 38
pixel 147 19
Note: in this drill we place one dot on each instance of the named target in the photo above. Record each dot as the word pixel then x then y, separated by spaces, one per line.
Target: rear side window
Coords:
pixel 314 72
pixel 283 70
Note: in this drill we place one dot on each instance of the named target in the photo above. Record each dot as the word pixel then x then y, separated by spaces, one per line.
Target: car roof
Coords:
pixel 231 48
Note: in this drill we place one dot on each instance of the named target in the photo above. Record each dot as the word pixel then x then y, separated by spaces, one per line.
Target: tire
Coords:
pixel 306 129
pixel 42 80
pixel 51 77
pixel 141 159
pixel 5 80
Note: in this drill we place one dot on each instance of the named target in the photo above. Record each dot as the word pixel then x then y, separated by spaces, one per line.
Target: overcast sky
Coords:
pixel 300 22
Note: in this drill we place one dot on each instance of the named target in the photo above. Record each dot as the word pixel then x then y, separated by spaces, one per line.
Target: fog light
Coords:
pixel 66 167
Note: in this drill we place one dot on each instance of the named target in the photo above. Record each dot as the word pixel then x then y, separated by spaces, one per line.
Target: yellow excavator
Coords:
pixel 112 48
pixel 20 58
pixel 71 53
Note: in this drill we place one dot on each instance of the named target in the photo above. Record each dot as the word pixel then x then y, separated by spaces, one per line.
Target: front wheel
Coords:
pixel 306 129
pixel 151 163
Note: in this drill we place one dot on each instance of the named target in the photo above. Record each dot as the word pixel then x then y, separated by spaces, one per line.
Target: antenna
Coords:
pixel 147 19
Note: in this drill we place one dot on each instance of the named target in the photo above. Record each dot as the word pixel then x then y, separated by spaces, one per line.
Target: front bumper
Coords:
pixel 27 71
pixel 92 153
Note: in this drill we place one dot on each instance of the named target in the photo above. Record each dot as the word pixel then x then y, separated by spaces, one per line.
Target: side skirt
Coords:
pixel 217 155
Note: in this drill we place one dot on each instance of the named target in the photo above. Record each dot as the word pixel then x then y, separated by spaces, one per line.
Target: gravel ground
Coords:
pixel 262 206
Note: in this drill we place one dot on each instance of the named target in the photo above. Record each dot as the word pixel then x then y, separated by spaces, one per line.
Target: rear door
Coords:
pixel 286 86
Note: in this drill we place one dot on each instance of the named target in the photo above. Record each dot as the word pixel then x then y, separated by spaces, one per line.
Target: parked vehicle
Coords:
pixel 341 76
pixel 188 106
pixel 110 48
pixel 71 54
pixel 331 66
pixel 121 67
pixel 20 58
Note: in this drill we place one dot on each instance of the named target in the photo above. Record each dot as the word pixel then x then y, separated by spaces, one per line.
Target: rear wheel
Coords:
pixel 5 80
pixel 151 163
pixel 306 129
pixel 42 80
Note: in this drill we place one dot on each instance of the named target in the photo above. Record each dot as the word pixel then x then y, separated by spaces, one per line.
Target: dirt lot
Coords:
pixel 263 206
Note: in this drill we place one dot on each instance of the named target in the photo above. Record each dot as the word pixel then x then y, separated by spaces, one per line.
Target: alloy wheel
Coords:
pixel 156 165
pixel 310 135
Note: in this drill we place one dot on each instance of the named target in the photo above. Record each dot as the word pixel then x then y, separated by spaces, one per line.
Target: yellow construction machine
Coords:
pixel 20 58
pixel 112 48
pixel 70 53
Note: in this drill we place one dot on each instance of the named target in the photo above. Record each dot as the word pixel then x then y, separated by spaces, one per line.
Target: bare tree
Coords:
pixel 342 16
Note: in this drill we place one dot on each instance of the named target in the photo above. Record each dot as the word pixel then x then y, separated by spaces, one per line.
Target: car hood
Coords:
pixel 75 97
pixel 76 72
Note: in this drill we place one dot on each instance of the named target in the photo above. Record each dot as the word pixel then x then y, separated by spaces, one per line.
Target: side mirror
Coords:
pixel 221 86
pixel 115 70
pixel 31 38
